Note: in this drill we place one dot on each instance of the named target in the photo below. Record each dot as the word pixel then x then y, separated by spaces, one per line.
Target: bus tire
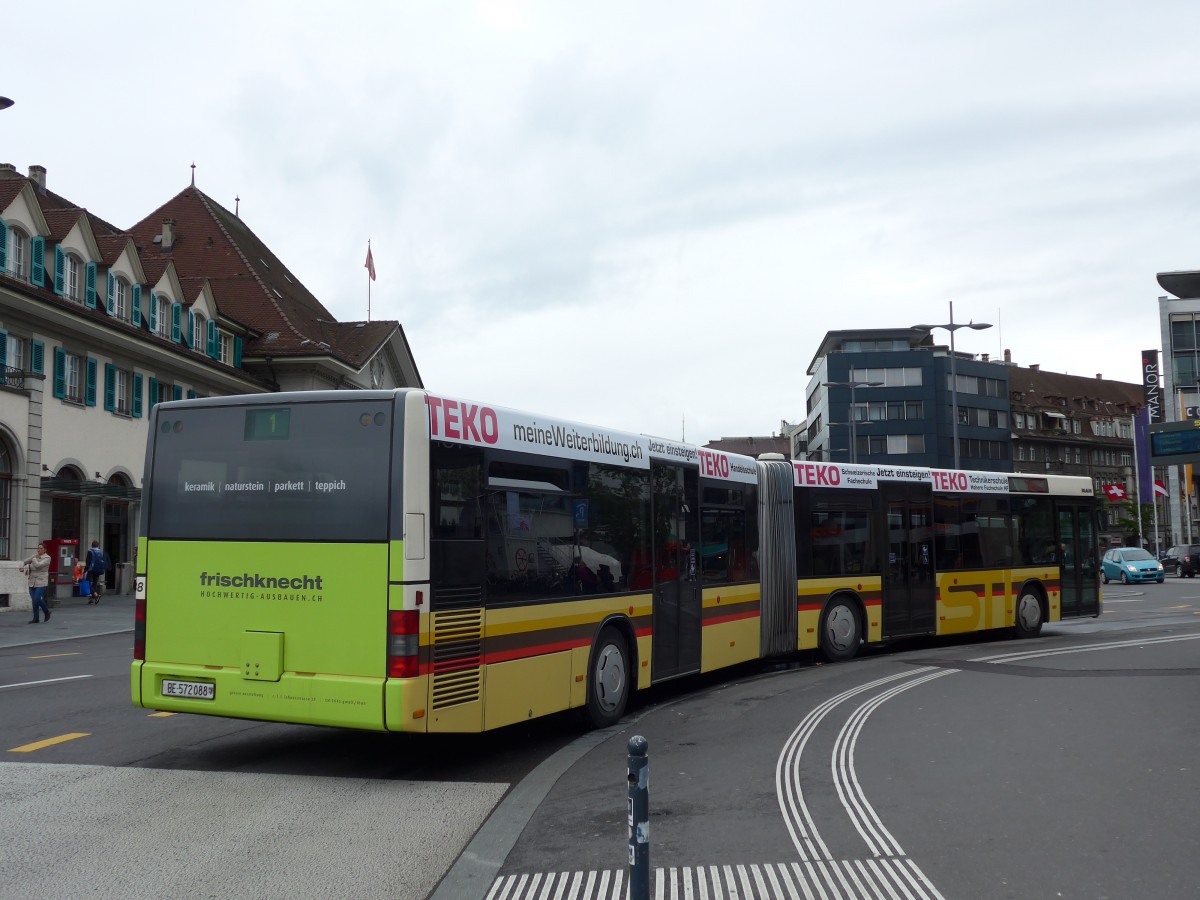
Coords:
pixel 1029 614
pixel 608 679
pixel 841 630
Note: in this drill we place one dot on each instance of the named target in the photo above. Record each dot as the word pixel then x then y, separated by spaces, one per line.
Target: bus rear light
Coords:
pixel 404 644
pixel 139 629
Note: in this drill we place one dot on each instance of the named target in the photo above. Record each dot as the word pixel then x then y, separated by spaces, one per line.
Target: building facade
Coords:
pixel 99 323
pixel 1179 326
pixel 902 406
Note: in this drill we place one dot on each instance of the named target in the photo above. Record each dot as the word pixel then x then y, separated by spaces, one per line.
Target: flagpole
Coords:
pixel 368 282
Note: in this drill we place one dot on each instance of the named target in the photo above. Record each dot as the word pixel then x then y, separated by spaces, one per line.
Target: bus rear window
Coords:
pixel 300 472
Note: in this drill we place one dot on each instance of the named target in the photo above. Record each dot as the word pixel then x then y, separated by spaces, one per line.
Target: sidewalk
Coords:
pixel 71 618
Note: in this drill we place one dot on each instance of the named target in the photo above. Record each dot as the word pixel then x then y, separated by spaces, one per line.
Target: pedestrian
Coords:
pixel 97 565
pixel 37 568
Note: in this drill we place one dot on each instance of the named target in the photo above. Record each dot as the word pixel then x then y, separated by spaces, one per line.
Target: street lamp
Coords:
pixel 952 327
pixel 5 103
pixel 853 430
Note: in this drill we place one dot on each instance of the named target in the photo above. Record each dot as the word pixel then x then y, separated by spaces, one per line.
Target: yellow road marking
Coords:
pixel 163 715
pixel 50 742
pixel 55 655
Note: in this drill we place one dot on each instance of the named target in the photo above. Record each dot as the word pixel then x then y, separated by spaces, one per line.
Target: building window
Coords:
pixel 71 283
pixel 18 254
pixel 121 299
pixel 162 323
pixel 198 333
pixel 907 376
pixel 1018 420
pixel 15 353
pixel 72 378
pixel 1020 451
pixel 899 444
pixel 226 348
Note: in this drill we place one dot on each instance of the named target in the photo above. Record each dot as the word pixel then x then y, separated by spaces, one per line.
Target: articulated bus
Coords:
pixel 404 561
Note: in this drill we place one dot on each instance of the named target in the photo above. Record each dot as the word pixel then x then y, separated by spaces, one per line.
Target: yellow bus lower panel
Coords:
pixel 985 599
pixel 524 689
pixel 729 643
pixel 334 700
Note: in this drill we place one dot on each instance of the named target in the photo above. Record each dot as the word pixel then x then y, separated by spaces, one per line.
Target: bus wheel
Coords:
pixel 840 631
pixel 608 680
pixel 1029 615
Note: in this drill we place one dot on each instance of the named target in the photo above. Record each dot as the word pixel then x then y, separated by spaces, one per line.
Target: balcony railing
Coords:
pixel 13 377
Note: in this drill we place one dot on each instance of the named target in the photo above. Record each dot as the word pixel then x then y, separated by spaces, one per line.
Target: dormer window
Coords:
pixel 72 284
pixel 18 254
pixel 121 299
pixel 199 332
pixel 162 322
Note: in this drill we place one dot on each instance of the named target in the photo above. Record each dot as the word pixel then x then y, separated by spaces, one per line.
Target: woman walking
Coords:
pixel 37 567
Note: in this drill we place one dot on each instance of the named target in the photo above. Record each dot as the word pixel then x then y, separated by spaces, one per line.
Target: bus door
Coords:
pixel 676 512
pixel 909 588
pixel 1077 540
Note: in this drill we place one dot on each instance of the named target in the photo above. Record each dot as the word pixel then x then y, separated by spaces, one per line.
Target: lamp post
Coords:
pixel 853 430
pixel 952 327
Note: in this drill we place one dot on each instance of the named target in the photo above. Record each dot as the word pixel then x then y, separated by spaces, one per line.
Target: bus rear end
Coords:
pixel 263 566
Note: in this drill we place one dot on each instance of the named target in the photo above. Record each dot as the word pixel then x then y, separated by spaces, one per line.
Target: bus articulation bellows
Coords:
pixel 404 561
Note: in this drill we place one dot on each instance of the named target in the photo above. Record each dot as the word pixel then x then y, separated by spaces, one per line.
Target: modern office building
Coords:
pixel 1179 326
pixel 886 394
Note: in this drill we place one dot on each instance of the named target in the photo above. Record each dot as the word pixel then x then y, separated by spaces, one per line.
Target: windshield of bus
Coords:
pixel 290 472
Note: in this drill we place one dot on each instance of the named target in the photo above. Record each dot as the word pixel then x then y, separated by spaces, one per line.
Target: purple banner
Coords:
pixel 1141 444
pixel 1152 385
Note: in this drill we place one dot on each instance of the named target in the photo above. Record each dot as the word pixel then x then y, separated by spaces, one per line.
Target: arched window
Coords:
pixel 72 283
pixel 6 524
pixel 18 253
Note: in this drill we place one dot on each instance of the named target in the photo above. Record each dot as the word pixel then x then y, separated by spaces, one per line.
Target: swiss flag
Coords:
pixel 1114 491
pixel 370 263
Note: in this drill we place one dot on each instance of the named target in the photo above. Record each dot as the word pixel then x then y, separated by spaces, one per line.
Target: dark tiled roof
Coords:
pixel 251 285
pixel 61 221
pixel 1041 388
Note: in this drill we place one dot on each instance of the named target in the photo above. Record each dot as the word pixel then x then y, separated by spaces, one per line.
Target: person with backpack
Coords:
pixel 97 565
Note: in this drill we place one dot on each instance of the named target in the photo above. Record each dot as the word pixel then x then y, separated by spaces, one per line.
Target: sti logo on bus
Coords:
pixel 461 421
pixel 714 465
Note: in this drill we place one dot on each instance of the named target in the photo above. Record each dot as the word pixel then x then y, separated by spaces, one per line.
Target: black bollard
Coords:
pixel 639 819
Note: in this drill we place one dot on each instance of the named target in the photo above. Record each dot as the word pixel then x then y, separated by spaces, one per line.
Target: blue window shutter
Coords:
pixel 191 335
pixel 137 395
pixel 3 348
pixel 60 264
pixel 237 352
pixel 37 357
pixel 176 392
pixel 110 386
pixel 89 294
pixel 153 392
pixel 3 246
pixel 191 395
pixel 110 304
pixel 136 313
pixel 60 372
pixel 213 341
pixel 60 269
pixel 90 394
pixel 153 312
pixel 176 321
pixel 37 273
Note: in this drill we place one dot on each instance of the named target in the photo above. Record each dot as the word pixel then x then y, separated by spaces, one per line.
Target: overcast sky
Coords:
pixel 647 215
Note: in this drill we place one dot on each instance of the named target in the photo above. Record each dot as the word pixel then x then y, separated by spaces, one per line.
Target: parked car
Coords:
pixel 1183 560
pixel 1131 564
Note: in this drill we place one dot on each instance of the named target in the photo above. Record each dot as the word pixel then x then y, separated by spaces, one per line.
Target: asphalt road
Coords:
pixel 932 769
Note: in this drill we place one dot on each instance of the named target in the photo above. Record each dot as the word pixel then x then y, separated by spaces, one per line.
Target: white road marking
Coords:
pixel 888 874
pixel 5 687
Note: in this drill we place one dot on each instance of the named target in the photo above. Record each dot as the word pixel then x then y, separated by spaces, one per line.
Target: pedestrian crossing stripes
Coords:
pixel 885 878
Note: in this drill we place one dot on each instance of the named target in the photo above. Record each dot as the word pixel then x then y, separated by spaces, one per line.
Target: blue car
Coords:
pixel 1129 565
